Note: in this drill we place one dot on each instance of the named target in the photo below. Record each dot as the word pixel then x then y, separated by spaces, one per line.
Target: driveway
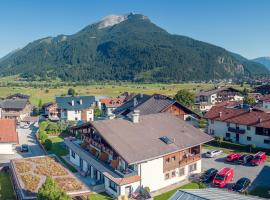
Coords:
pixel 26 136
pixel 259 175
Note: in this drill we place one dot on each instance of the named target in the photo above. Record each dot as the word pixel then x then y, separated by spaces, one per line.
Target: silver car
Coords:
pixel 214 153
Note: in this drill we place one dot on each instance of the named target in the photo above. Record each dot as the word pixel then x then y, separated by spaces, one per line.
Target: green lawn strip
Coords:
pixel 6 189
pixel 100 196
pixel 261 192
pixel 60 151
pixel 167 195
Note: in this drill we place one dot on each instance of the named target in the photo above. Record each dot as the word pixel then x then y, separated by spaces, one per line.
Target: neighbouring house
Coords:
pixel 18 96
pixel 242 125
pixel 157 103
pixel 210 194
pixel 264 102
pixel 51 111
pixel 123 155
pixel 8 136
pixel 29 174
pixel 15 108
pixel 76 108
pixel 262 89
pixel 206 99
pixel 108 105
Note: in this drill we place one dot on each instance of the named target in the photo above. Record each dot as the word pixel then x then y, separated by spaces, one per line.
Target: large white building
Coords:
pixel 76 108
pixel 124 155
pixel 245 126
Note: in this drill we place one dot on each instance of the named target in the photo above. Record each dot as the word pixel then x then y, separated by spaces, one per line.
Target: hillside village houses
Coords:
pixel 125 154
pixel 244 125
pixel 108 105
pixel 206 99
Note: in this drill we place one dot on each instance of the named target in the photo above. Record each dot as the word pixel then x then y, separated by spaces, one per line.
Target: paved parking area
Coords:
pixel 259 175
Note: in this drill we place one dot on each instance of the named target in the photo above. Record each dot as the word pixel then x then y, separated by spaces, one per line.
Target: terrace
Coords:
pixel 30 173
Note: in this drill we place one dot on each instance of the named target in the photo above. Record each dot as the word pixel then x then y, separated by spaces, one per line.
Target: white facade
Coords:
pixel 219 128
pixel 6 148
pixel 266 104
pixel 77 115
pixel 151 173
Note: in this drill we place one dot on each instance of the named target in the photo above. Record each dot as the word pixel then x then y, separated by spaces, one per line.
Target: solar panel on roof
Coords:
pixel 166 140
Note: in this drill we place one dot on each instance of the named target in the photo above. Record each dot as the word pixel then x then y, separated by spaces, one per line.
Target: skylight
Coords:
pixel 166 140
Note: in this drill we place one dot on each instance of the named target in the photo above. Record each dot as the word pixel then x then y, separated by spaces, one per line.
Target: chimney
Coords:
pixel 259 119
pixel 135 102
pixel 220 114
pixel 80 101
pixel 141 95
pixel 135 116
pixel 72 102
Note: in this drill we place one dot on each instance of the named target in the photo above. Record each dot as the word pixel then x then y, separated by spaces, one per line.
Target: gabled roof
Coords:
pixel 216 90
pixel 249 117
pixel 147 104
pixel 265 98
pixel 13 103
pixel 8 132
pixel 18 95
pixel 66 102
pixel 210 194
pixel 138 142
pixel 113 102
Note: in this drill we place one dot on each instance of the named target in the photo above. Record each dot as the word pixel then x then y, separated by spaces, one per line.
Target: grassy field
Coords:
pixel 47 93
pixel 100 196
pixel 6 189
pixel 167 195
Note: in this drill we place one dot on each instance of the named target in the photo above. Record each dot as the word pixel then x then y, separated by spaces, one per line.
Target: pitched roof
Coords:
pixel 18 95
pixel 137 142
pixel 113 102
pixel 13 103
pixel 265 98
pixel 209 194
pixel 8 132
pixel 66 102
pixel 147 104
pixel 250 117
pixel 216 90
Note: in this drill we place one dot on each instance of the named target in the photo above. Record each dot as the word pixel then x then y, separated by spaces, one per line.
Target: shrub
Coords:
pixel 43 125
pixel 53 128
pixel 48 144
pixel 42 136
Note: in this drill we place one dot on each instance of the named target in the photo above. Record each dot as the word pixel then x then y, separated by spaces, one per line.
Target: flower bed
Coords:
pixel 68 184
pixel 30 181
pixel 50 169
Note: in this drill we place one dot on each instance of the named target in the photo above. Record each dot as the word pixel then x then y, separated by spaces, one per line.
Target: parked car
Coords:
pixel 233 157
pixel 258 158
pixel 241 185
pixel 24 148
pixel 244 159
pixel 223 177
pixel 214 153
pixel 208 175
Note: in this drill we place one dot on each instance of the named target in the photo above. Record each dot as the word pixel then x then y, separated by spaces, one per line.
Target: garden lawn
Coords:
pixel 167 195
pixel 100 196
pixel 6 189
pixel 261 192
pixel 59 150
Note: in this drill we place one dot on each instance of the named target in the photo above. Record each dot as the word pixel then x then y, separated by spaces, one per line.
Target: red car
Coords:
pixel 258 158
pixel 223 177
pixel 233 156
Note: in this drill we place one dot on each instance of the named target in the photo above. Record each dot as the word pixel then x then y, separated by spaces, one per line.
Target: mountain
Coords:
pixel 8 55
pixel 264 61
pixel 130 48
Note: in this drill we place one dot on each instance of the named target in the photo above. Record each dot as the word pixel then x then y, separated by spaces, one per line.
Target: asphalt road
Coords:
pixel 259 175
pixel 26 136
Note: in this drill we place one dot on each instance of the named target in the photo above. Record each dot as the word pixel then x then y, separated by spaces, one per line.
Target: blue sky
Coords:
pixel 241 26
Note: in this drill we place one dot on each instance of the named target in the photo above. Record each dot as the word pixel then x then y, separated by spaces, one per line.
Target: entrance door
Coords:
pixel 128 191
pixel 237 137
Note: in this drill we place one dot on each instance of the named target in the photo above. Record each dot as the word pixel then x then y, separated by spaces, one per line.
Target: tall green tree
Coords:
pixel 50 191
pixel 250 100
pixel 185 97
pixel 71 92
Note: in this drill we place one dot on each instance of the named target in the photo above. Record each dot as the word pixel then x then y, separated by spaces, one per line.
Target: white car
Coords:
pixel 214 153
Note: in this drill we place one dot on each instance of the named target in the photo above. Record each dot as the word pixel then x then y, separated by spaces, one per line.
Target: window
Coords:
pixel 167 176
pixel 228 135
pixel 248 127
pixel 73 154
pixel 113 186
pixel 228 124
pixel 213 132
pixel 237 125
pixel 249 138
pixel 76 118
pixel 173 174
pixel 212 121
pixel 167 160
pixel 192 167
pixel 266 141
pixel 182 171
pixel 173 158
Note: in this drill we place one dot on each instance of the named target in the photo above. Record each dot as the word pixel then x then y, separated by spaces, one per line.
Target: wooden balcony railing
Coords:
pixel 190 159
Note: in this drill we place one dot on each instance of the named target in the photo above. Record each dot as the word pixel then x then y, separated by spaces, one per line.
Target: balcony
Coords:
pixel 236 130
pixel 189 159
